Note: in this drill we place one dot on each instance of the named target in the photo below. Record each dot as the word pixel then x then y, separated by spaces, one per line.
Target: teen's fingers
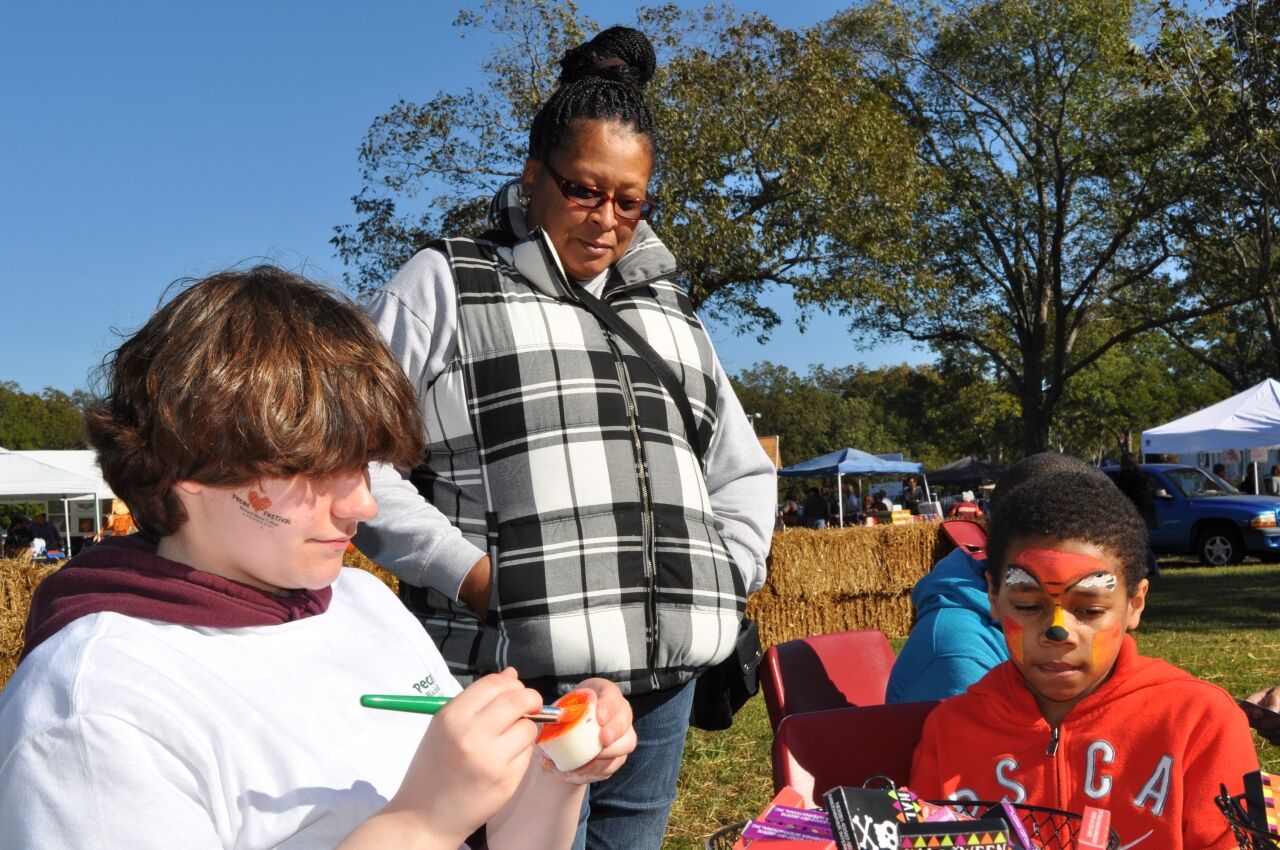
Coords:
pixel 489 714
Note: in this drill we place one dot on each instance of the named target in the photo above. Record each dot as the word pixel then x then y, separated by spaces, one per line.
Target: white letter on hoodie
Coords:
pixel 1096 783
pixel 1157 787
pixel 1003 767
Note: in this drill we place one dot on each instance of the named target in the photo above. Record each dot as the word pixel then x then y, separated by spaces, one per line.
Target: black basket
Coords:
pixel 1248 836
pixel 726 836
pixel 1052 829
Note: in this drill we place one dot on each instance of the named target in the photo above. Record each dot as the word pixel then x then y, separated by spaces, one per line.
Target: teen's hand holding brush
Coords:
pixel 477 765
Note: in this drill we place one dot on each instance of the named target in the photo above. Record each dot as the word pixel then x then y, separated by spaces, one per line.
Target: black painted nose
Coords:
pixel 1055 633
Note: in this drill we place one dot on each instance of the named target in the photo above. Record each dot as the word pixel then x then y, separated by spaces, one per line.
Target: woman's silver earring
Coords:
pixel 522 199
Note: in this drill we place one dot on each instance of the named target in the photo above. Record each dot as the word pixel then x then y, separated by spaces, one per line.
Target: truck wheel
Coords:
pixel 1219 546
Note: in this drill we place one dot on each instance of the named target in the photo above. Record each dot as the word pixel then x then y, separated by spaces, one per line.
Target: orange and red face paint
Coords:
pixel 1057 572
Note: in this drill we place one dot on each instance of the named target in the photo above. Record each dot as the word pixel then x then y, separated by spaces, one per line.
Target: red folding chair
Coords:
pixel 816 751
pixel 968 535
pixel 819 672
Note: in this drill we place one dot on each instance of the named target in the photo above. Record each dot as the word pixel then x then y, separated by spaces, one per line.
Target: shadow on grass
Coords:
pixel 1246 596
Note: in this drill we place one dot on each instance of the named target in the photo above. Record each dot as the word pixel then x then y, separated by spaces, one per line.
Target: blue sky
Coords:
pixel 146 141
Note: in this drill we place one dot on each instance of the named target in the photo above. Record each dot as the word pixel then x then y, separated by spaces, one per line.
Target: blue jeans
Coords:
pixel 629 810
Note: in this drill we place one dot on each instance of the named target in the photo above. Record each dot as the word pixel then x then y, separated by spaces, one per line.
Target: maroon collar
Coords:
pixel 125 575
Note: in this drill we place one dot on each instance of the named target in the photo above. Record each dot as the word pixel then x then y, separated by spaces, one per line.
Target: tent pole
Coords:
pixel 925 479
pixel 66 523
pixel 840 497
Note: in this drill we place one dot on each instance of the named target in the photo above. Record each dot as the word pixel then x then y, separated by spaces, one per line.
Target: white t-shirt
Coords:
pixel 119 732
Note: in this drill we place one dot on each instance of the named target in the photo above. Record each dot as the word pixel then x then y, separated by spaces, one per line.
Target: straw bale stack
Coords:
pixel 18 580
pixel 356 558
pixel 819 581
pixel 839 579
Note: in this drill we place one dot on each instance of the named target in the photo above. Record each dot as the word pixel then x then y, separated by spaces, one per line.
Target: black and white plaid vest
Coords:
pixel 554 448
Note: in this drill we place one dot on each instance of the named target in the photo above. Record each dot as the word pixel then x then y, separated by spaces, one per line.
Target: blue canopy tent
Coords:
pixel 852 462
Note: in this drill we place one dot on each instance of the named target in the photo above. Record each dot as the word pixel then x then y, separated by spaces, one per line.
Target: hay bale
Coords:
pixel 18 580
pixel 356 558
pixel 825 581
pixel 840 579
pixel 819 581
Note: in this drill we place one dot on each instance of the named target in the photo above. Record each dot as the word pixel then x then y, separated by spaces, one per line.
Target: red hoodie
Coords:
pixel 1151 744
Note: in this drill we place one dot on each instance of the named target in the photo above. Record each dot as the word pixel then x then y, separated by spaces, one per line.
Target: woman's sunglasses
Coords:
pixel 632 209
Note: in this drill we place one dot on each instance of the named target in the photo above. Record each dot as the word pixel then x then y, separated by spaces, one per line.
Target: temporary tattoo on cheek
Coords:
pixel 255 506
pixel 1013 637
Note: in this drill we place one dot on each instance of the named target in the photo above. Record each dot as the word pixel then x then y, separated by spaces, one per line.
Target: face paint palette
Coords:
pixel 574 739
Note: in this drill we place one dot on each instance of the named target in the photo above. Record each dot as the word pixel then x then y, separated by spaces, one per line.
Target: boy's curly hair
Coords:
pixel 247 375
pixel 1070 503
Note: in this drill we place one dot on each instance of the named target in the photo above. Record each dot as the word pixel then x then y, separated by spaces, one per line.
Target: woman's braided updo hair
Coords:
pixel 603 79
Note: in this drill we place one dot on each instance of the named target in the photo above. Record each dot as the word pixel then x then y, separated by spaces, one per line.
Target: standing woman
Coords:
pixel 573 516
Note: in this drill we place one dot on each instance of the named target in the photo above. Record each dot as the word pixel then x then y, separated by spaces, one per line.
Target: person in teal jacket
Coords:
pixel 954 641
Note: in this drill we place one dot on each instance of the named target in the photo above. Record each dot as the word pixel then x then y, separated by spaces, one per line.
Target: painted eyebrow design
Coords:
pixel 1097 592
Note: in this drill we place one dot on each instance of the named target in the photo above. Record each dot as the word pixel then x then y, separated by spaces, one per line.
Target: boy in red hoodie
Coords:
pixel 1077 717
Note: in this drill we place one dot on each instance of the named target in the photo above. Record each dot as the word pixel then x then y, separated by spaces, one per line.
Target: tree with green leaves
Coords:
pixel 809 418
pixel 780 164
pixel 1132 387
pixel 1227 68
pixel 1059 161
pixel 48 420
pixel 931 414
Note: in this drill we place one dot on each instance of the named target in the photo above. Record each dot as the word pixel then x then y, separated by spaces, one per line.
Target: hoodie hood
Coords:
pixel 125 575
pixel 646 258
pixel 959 580
pixel 1132 674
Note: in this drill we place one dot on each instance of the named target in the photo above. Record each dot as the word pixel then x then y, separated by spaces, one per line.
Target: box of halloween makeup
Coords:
pixel 785 824
pixel 1260 789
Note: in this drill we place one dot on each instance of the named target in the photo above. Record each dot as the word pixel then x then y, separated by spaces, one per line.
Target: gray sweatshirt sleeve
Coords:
pixel 417 314
pixel 742 484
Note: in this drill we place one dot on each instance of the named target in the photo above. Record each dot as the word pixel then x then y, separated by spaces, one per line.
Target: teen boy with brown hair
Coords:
pixel 197 685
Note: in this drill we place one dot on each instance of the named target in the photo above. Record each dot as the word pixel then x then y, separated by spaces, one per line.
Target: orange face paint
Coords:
pixel 1056 572
pixel 1105 643
pixel 1013 635
pixel 573 705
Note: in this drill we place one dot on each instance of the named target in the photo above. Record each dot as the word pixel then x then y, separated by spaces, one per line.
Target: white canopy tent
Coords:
pixel 1247 420
pixel 80 461
pixel 71 476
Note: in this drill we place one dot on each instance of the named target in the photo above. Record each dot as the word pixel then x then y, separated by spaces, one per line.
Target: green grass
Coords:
pixel 1221 624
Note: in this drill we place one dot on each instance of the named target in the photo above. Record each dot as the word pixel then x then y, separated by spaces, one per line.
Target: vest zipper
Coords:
pixel 646 513
pixel 1053 743
pixel 642 475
